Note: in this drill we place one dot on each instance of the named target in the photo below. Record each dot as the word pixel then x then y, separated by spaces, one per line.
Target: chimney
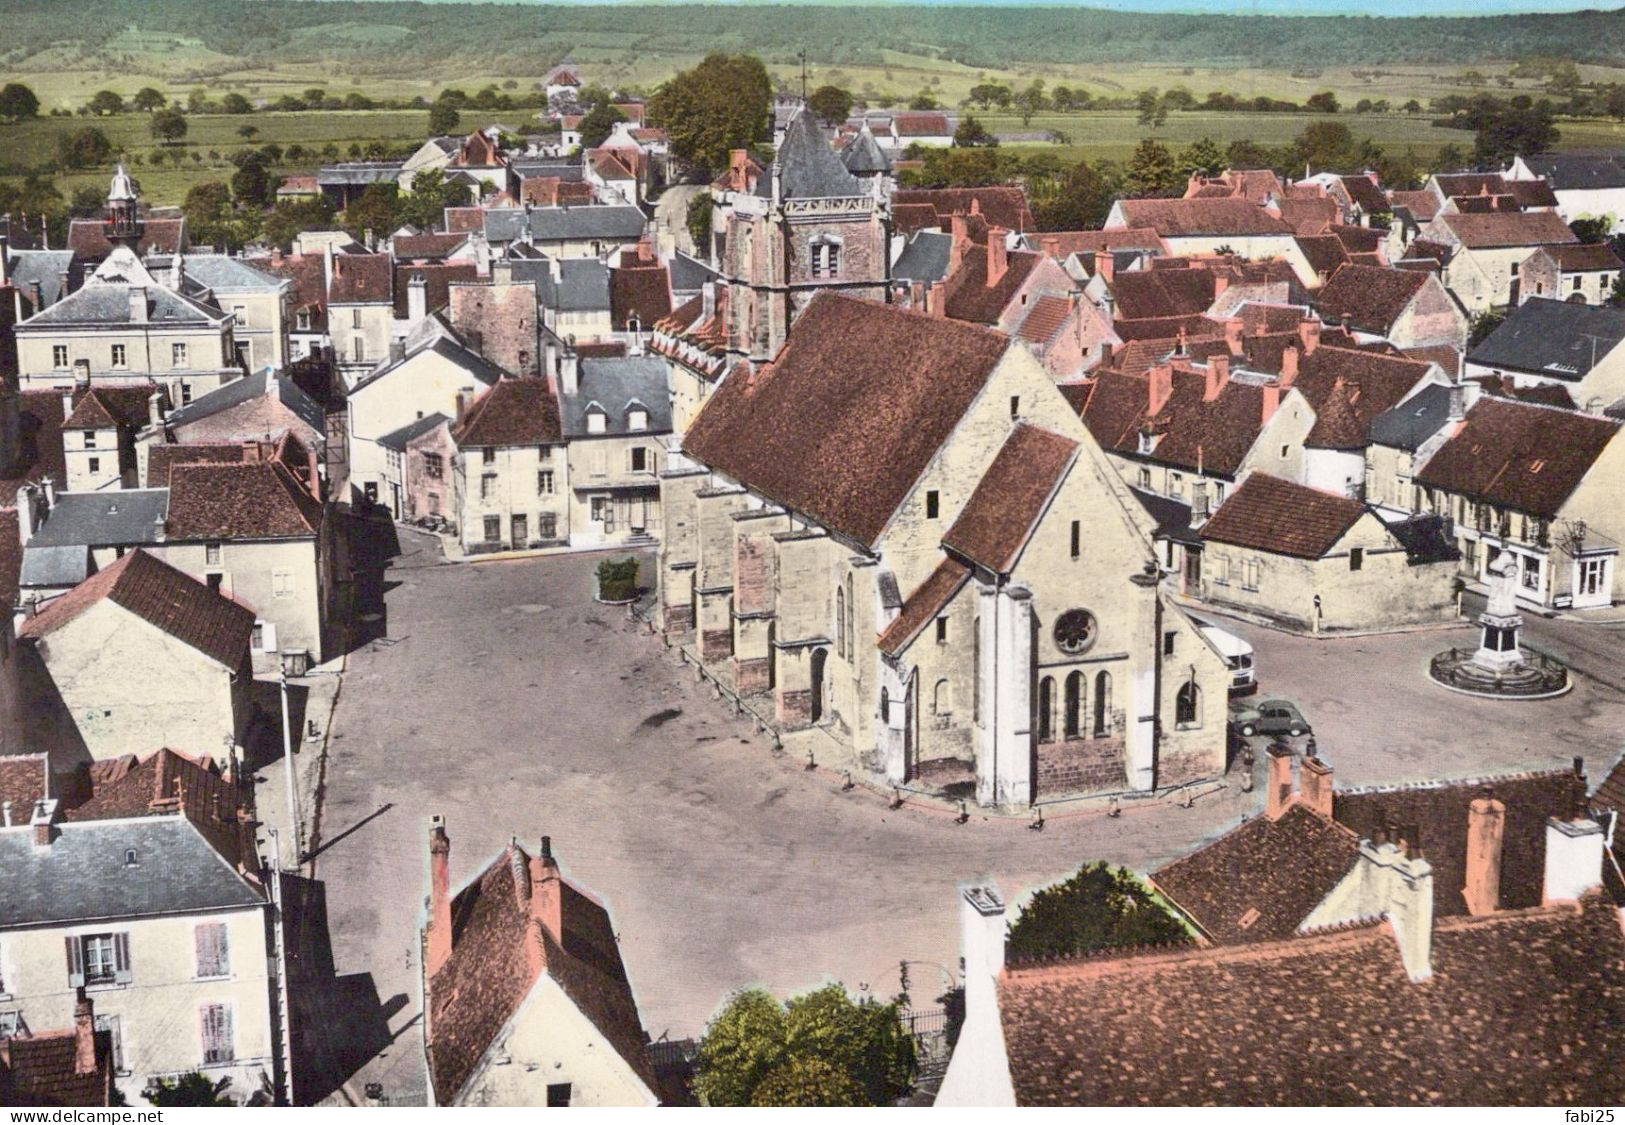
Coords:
pixel 1290 357
pixel 36 294
pixel 976 205
pixel 397 350
pixel 417 299
pixel 998 255
pixel 439 935
pixel 1218 374
pixel 1051 244
pixel 738 169
pixel 981 934
pixel 547 892
pixel 959 238
pixel 1315 785
pixel 276 255
pixel 1279 793
pixel 177 271
pixel 44 822
pixel 1574 855
pixel 937 305
pixel 462 407
pixel 367 238
pixel 1105 265
pixel 1271 396
pixel 1458 402
pixel 1221 282
pixel 708 300
pixel 1309 335
pixel 155 409
pixel 1486 826
pixel 569 371
pixel 84 1034
pixel 5 265
pixel 1159 388
pixel 138 304
pixel 1233 331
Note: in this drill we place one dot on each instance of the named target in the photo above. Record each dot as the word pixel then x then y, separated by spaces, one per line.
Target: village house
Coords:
pixel 979 526
pixel 616 418
pixel 1544 484
pixel 1360 199
pixel 263 407
pixel 1321 562
pixel 345 183
pixel 136 656
pixel 418 455
pixel 1194 227
pixel 1410 309
pixel 1545 342
pixel 498 317
pixel 1357 930
pixel 360 311
pixel 58 1066
pixel 99 433
pixel 1585 187
pixel 258 302
pixel 145 872
pixel 1487 250
pixel 1578 274
pixel 1404 437
pixel 693 340
pixel 510 474
pixel 305 319
pixel 526 1001
pixel 71 535
pixel 567 232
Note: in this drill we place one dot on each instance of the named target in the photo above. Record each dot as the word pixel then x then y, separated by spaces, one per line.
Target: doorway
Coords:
pixel 820 656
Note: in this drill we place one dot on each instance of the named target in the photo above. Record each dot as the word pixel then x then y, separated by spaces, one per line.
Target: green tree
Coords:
pixel 167 126
pixel 425 207
pixel 315 97
pixel 86 148
pixel 973 134
pixel 1613 101
pixel 1151 170
pixel 1323 102
pixel 1031 101
pixel 357 100
pixel 106 103
pixel 285 223
pixel 806 1081
pixel 206 203
pixel 1202 157
pixel 864 1040
pixel 1146 103
pixel 1591 231
pixel 961 167
pixel 248 132
pixel 251 184
pixel 443 118
pixel 1327 145
pixel 599 122
pixel 1616 296
pixel 723 103
pixel 17 102
pixel 1097 908
pixel 1412 106
pixel 990 94
pixel 1081 200
pixel 148 99
pixel 191 1090
pixel 741 1046
pixel 373 210
pixel 1512 130
pixel 1484 324
pixel 235 103
pixel 831 103
pixel 86 202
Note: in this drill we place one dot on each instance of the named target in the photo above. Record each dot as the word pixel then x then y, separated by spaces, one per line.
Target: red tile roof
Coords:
pixel 1002 205
pixel 1309 216
pixel 428 246
pixel 87 238
pixel 968 296
pixel 513 412
pixel 309 283
pixel 465 220
pixel 1069 242
pixel 642 291
pixel 41 1070
pixel 1196 433
pixel 40 416
pixel 1364 193
pixel 437 279
pixel 1519 455
pixel 1045 318
pixel 251 500
pixel 1422 205
pixel 1579 259
pixel 921 125
pixel 1173 218
pixel 1348 387
pixel 850 412
pixel 360 279
pixel 1358 240
pixel 1505 229
pixel 1532 193
pixel 1521 1009
pixel 24 779
pixel 162 458
pixel 110 406
pixel 1270 514
pixel 1139 294
pixel 162 596
pixel 1368 298
pixel 11 556
pixel 923 605
pixel 1003 512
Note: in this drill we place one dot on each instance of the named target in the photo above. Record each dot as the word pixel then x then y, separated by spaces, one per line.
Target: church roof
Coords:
pixel 808 168
pixel 863 157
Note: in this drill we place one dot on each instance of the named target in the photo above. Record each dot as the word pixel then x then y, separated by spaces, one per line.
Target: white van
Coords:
pixel 1236 652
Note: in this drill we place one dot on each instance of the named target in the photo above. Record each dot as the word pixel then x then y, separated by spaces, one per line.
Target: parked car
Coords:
pixel 1270 716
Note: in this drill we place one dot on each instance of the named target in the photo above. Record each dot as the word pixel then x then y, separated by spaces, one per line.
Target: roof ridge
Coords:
pixel 1447 783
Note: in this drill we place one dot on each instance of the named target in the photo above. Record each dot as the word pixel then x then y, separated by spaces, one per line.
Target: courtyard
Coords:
pixel 501 696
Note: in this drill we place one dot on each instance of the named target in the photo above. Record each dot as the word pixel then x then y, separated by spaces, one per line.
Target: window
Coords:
pixel 931 504
pixel 1077 538
pixel 12 1025
pixel 544 453
pixel 1514 269
pixel 1046 709
pixel 640 459
pixel 1284 450
pixel 1073 725
pixel 244 351
pixel 600 509
pixel 214 580
pixel 488 456
pixel 213 949
pixel 90 439
pixel 638 419
pixel 177 355
pixel 1145 479
pixel 544 482
pixel 1176 484
pixel 303 320
pixel 1218 493
pixel 1577 283
pixel 1169 639
pixel 355 319
pixel 211 554
pixel 434 466
pixel 118 355
pixel 256 638
pixel 95 464
pixel 98 959
pixel 596 421
pixel 186 392
pixel 358 349
pixel 115 1035
pixel 488 486
pixel 942 630
pixel 840 622
pixel 1015 406
pixel 1250 581
pixel 942 698
pixel 1188 706
pixel 521 532
pixel 547 526
pixel 1531 573
pixel 282 583
pixel 493 529
pixel 59 356
pixel 558 1094
pixel 237 316
pixel 1356 558
pixel 217 1037
pixel 826 258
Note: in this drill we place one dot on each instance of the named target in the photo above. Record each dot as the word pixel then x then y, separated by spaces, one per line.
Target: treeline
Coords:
pixel 520 38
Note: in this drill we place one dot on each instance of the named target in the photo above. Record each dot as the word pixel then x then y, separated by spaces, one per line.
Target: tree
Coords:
pixel 17 102
pixel 1202 157
pixel 1412 106
pixel 251 184
pixel 1151 170
pixel 1327 145
pixel 248 132
pixel 443 118
pixel 598 124
pixel 1509 130
pixel 1484 324
pixel 990 94
pixel 105 103
pixel 425 207
pixel 961 167
pixel 723 103
pixel 1146 102
pixel 1323 102
pixel 1081 200
pixel 167 126
pixel 285 223
pixel 86 202
pixel 235 103
pixel 1613 102
pixel 698 221
pixel 1591 231
pixel 315 97
pixel 1097 908
pixel 831 103
pixel 206 203
pixel 924 100
pixel 86 148
pixel 1616 296
pixel 1031 101
pixel 820 1049
pixel 373 210
pixel 973 134
pixel 148 99
pixel 191 1090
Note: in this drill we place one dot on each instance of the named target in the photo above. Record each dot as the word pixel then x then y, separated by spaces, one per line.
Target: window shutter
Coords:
pixel 121 958
pixel 76 963
pixel 222 949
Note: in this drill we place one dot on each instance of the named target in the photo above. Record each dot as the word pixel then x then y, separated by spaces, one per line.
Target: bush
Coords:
pixel 618 579
pixel 1097 908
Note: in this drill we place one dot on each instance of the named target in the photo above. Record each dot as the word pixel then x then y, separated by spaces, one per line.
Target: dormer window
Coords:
pixel 597 421
pixel 637 419
pixel 304 320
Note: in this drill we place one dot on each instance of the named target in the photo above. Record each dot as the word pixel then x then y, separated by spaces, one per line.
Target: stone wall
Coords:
pixel 1082 765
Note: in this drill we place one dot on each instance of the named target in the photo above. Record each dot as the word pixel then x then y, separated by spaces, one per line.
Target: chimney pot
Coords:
pixel 1279 794
pixel 1316 784
pixel 1486 828
pixel 1290 357
pixel 1105 265
pixel 998 255
pixel 1309 335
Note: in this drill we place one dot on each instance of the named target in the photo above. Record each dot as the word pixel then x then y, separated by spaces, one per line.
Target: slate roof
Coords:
pixel 1270 514
pixel 361 279
pixel 11 557
pixel 968 296
pixel 514 412
pixel 247 389
pixel 1522 1008
pixel 1511 228
pixel 119 518
pixel 1174 218
pixel 807 167
pixel 1413 421
pixel 360 172
pixel 49 566
pixel 618 223
pixel 1002 513
pixel 499 953
pixel 399 439
pixel 582 286
pixel 108 303
pixel 226 274
pixel 51 268
pixel 925 257
pixel 249 500
pixel 923 605
pixel 165 598
pixel 616 384
pixel 83 876
pixel 851 411
pixel 1553 339
pixel 640 291
pixel 41 1070
pixel 1519 455
pixel 1566 172
pixel 863 157
pixel 1369 298
pixel 688 273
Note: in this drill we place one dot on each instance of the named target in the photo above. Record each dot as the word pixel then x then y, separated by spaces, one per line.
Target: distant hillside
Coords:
pixel 379 35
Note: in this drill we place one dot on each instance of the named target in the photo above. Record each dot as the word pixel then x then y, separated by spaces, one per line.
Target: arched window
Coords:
pixel 885 706
pixel 1073 726
pixel 1046 709
pixel 851 637
pixel 942 698
pixel 840 622
pixel 826 256
pixel 1103 704
pixel 1188 706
